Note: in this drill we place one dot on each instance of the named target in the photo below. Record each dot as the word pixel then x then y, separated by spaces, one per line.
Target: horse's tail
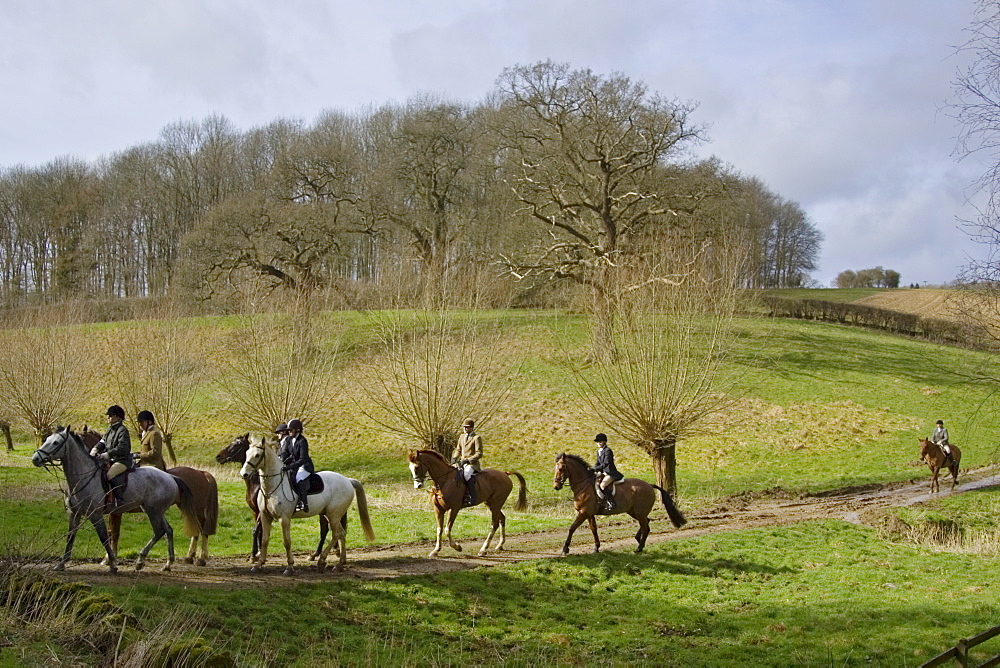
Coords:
pixel 210 512
pixel 673 512
pixel 189 509
pixel 366 523
pixel 522 491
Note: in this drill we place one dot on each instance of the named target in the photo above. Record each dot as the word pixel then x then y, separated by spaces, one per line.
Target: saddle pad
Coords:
pixel 315 484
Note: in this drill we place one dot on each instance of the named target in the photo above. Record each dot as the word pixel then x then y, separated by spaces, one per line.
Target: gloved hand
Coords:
pixel 103 456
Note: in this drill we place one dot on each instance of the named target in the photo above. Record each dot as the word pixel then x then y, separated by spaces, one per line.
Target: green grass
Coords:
pixel 818 593
pixel 826 294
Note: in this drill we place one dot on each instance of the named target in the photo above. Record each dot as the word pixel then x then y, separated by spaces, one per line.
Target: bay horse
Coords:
pixel 148 488
pixel 205 501
pixel 933 455
pixel 236 453
pixel 276 500
pixel 493 486
pixel 632 495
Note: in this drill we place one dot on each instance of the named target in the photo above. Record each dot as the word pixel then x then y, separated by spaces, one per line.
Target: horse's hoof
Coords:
pixel 166 568
pixel 188 560
pixel 113 570
pixel 482 553
pixel 288 571
pixel 457 547
pixel 499 549
pixel 320 566
pixel 104 561
pixel 312 557
pixel 433 554
pixel 61 567
pixel 339 568
pixel 201 562
pixel 254 569
pixel 139 565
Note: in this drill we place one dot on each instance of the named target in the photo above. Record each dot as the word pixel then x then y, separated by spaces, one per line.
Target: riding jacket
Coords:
pixel 940 436
pixel 118 445
pixel 470 449
pixel 298 454
pixel 606 463
pixel 152 448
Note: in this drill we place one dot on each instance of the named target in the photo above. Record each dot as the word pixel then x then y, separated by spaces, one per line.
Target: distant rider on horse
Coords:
pixel 940 437
pixel 606 472
pixel 467 455
pixel 294 452
pixel 116 447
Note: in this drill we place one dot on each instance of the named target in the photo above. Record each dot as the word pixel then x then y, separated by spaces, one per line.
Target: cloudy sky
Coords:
pixel 835 105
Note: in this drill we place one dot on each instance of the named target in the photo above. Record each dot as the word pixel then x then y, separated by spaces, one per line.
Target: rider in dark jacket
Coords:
pixel 607 473
pixel 116 447
pixel 299 461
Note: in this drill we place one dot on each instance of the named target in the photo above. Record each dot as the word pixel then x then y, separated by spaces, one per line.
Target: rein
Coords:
pixel 54 464
pixel 262 474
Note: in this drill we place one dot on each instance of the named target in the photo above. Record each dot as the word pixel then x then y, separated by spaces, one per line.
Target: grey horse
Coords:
pixel 148 487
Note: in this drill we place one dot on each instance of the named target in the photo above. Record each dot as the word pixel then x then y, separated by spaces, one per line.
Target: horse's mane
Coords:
pixel 435 453
pixel 576 458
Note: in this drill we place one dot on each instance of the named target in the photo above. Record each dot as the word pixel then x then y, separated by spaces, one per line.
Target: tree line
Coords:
pixel 555 178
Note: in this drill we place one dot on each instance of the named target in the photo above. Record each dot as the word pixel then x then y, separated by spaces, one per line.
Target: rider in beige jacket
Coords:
pixel 467 455
pixel 151 453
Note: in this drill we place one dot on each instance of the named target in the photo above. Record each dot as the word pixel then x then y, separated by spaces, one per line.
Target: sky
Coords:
pixel 839 106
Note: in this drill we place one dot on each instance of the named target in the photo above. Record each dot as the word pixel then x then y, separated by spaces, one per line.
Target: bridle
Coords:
pixel 254 462
pixel 560 473
pixel 52 464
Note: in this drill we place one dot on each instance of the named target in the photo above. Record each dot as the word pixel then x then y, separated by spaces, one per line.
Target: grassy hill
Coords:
pixel 819 407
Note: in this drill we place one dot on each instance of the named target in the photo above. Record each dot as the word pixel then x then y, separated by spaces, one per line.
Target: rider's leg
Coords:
pixel 470 484
pixel 115 479
pixel 302 486
pixel 608 487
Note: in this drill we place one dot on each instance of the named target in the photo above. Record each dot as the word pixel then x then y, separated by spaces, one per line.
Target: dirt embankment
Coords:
pixel 929 302
pixel 756 509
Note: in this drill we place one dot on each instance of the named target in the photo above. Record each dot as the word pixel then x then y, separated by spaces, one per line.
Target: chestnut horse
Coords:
pixel 633 496
pixel 934 456
pixel 236 453
pixel 204 498
pixel 493 486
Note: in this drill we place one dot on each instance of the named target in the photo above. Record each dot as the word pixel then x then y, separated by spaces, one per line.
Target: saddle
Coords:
pixel 109 495
pixel 315 483
pixel 470 487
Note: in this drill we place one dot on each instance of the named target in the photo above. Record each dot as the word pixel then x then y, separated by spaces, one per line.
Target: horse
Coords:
pixel 632 495
pixel 236 453
pixel 934 456
pixel 276 500
pixel 149 488
pixel 493 486
pixel 205 500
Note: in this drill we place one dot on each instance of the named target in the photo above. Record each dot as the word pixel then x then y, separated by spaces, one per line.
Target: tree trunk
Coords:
pixel 5 428
pixel 445 444
pixel 168 441
pixel 665 463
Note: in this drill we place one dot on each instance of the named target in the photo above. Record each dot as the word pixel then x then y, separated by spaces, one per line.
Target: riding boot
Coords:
pixel 609 501
pixel 470 492
pixel 303 487
pixel 119 493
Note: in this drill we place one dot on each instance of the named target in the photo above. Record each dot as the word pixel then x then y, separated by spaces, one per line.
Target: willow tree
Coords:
pixel 673 337
pixel 430 370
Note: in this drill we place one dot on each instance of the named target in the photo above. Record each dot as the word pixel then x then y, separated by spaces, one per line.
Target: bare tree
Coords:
pixel 431 370
pixel 164 366
pixel 674 335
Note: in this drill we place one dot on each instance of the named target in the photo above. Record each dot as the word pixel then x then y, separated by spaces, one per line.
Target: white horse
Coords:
pixel 276 500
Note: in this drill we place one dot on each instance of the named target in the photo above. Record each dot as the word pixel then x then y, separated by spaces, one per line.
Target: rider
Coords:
pixel 606 472
pixel 468 452
pixel 940 437
pixel 299 461
pixel 116 447
pixel 152 441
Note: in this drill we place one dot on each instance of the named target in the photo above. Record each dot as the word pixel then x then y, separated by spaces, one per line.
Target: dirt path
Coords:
pixel 756 509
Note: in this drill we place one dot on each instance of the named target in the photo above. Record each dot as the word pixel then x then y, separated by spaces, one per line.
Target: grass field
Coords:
pixel 820 406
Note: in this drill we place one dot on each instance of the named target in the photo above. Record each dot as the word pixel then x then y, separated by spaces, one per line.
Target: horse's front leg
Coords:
pixel 114 528
pixel 593 530
pixel 264 527
pixel 286 536
pixel 580 518
pixel 451 520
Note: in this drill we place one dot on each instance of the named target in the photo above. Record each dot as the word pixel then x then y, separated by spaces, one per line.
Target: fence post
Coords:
pixel 963 652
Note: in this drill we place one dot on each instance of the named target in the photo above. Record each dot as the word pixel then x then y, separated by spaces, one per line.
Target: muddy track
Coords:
pixel 741 511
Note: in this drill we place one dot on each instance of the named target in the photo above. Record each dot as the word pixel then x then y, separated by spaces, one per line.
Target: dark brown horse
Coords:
pixel 493 486
pixel 236 453
pixel 934 456
pixel 633 496
pixel 205 500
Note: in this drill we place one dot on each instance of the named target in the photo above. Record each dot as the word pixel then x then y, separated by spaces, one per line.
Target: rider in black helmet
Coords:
pixel 116 447
pixel 299 462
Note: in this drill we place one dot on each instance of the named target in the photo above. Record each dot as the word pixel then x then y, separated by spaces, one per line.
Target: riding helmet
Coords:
pixel 469 422
pixel 145 415
pixel 116 411
pixel 281 428
pixel 601 438
pixel 295 424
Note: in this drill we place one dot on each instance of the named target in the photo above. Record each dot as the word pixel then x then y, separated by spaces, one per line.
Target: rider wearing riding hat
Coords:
pixel 151 453
pixel 116 447
pixel 468 452
pixel 606 472
pixel 940 437
pixel 298 461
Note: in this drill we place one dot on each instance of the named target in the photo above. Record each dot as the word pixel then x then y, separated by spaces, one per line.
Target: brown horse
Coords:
pixel 205 498
pixel 933 454
pixel 493 486
pixel 236 453
pixel 633 496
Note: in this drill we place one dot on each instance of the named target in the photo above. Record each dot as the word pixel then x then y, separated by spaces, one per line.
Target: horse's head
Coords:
pixel 53 449
pixel 235 452
pixel 560 477
pixel 417 469
pixel 255 456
